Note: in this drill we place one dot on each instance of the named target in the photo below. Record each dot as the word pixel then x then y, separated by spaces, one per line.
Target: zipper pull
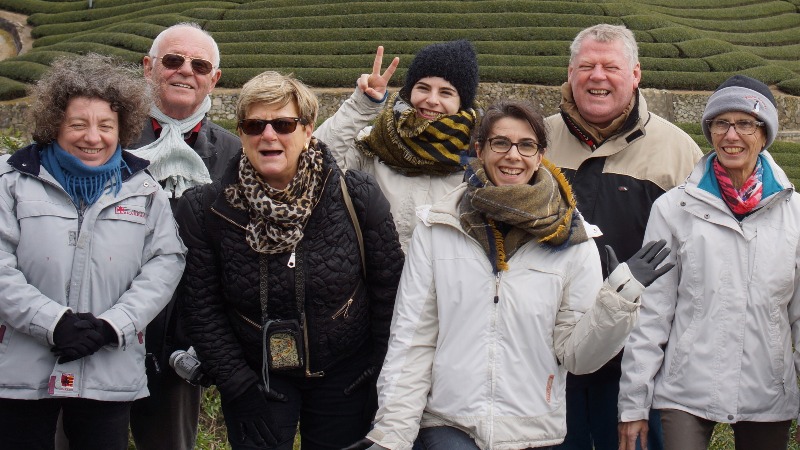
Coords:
pixel 290 264
pixel 497 288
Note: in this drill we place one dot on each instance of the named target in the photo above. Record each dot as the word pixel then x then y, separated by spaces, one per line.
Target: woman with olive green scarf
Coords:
pixel 415 148
pixel 501 295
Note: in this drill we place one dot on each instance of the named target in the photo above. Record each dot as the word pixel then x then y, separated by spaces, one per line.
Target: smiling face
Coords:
pixel 738 153
pixel 509 168
pixel 275 156
pixel 432 96
pixel 89 131
pixel 181 91
pixel 602 81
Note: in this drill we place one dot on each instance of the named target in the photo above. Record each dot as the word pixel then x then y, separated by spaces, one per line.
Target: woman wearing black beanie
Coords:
pixel 420 134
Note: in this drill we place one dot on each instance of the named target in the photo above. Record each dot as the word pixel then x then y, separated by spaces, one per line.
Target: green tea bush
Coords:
pixel 646 21
pixel 784 52
pixel 756 25
pixel 675 34
pixel 86 14
pixel 723 12
pixel 733 61
pixel 11 89
pixel 773 37
pixel 674 64
pixel 698 48
pixel 44 57
pixel 418 20
pixel 25 71
pixel 40 6
pixel 657 50
pixel 206 13
pixel 247 12
pixel 791 86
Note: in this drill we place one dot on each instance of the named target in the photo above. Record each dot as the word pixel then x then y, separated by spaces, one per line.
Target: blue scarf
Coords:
pixel 84 184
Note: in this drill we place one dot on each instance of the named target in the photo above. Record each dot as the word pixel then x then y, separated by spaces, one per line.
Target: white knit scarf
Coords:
pixel 172 160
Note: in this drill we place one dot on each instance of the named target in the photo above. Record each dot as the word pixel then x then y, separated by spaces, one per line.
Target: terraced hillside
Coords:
pixel 685 44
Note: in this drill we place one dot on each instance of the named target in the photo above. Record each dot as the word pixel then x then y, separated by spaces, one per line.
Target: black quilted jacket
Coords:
pixel 221 303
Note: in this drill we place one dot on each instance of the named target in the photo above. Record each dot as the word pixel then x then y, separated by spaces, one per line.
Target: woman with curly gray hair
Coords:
pixel 89 253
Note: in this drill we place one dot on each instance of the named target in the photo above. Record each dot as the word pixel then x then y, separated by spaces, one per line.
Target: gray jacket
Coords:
pixel 718 335
pixel 119 259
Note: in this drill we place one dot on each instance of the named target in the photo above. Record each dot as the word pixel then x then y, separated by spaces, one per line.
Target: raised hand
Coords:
pixel 374 84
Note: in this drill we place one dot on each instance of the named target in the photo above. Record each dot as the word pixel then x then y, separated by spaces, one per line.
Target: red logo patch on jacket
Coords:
pixel 125 211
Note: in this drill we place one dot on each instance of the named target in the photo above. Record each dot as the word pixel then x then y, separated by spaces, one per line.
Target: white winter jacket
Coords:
pixel 120 259
pixel 715 334
pixel 404 193
pixel 494 369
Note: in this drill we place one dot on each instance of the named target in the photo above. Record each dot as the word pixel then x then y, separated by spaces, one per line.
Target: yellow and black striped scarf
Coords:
pixel 416 146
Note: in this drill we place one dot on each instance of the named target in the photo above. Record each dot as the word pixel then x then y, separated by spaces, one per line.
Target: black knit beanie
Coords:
pixel 455 61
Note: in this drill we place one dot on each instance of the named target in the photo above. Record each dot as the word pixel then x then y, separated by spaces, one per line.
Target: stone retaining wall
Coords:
pixel 676 106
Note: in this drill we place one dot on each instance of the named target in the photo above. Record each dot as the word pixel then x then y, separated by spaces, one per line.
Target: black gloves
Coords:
pixel 249 418
pixel 75 338
pixel 363 444
pixel 643 264
pixel 80 335
pixel 368 376
pixel 102 327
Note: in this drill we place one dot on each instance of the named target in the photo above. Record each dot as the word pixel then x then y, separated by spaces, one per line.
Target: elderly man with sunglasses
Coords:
pixel 185 149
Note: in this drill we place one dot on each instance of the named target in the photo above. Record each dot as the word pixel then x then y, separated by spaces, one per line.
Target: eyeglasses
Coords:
pixel 743 127
pixel 175 61
pixel 281 125
pixel 527 147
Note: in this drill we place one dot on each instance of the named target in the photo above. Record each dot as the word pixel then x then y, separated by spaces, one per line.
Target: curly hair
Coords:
pixel 120 84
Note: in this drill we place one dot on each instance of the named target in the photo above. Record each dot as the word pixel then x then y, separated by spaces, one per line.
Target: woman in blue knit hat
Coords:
pixel 716 337
pixel 414 148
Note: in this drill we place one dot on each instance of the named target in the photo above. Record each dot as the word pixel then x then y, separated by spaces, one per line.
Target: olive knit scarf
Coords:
pixel 543 210
pixel 416 146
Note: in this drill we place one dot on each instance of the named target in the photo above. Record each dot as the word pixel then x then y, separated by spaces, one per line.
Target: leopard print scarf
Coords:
pixel 277 217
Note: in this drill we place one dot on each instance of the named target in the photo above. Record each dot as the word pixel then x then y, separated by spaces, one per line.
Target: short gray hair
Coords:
pixel 607 33
pixel 157 41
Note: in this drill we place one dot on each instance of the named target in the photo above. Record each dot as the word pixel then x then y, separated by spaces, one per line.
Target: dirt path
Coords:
pixel 7 48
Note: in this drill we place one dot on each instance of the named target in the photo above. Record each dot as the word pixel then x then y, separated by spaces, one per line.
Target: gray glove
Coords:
pixel 643 264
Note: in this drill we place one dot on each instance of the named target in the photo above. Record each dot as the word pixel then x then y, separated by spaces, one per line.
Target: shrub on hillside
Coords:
pixel 724 11
pixel 733 61
pixel 418 20
pixel 781 21
pixel 11 89
pixel 698 48
pixel 658 50
pixel 784 52
pixel 35 6
pixel 791 86
pixel 776 37
pixel 25 71
pixel 429 7
pixel 674 64
pixel 675 34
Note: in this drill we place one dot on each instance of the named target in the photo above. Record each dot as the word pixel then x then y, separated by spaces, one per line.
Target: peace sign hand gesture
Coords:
pixel 374 84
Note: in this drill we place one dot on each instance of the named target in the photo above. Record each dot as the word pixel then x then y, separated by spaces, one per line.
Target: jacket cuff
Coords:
pixel 123 326
pixel 622 281
pixel 44 322
pixel 632 416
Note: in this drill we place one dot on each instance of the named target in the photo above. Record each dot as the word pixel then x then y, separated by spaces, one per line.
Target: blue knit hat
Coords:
pixel 455 61
pixel 745 94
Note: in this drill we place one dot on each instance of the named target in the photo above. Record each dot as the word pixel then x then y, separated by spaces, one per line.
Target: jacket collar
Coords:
pixel 230 177
pixel 28 161
pixel 632 130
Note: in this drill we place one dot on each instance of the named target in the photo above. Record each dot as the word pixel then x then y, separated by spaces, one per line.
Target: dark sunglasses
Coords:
pixel 281 125
pixel 175 61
